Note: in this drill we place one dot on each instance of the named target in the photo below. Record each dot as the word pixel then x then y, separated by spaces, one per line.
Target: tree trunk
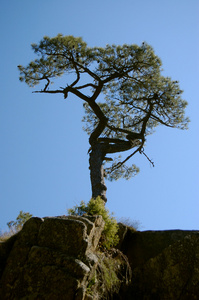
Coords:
pixel 97 172
pixel 97 156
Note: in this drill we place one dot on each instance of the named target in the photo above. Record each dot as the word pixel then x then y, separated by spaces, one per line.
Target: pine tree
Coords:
pixel 137 97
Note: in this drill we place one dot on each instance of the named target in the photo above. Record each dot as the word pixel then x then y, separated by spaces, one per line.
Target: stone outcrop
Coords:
pixel 50 258
pixel 165 264
pixel 57 258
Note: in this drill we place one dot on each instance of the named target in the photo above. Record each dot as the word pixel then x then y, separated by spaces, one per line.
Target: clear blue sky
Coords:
pixel 43 152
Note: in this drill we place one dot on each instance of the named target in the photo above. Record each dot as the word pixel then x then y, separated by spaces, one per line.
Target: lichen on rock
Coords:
pixel 60 258
pixel 47 259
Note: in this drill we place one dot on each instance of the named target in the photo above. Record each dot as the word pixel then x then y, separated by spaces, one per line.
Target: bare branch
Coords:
pixel 86 85
pixel 50 92
pixel 47 84
pixel 142 152
pixel 118 165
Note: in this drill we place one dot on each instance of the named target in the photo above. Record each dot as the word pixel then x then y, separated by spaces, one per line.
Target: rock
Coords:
pixel 94 229
pixel 64 235
pixel 165 264
pixel 173 274
pixel 51 258
pixel 5 248
pixel 58 258
pixel 122 231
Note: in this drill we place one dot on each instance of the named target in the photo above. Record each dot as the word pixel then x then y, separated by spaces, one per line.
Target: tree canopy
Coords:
pixel 136 96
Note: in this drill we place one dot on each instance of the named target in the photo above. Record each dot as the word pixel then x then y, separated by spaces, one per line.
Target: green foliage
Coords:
pixel 109 268
pixel 53 62
pixel 96 207
pixel 17 225
pixel 136 96
pixel 113 272
pixel 118 170
pixel 78 210
pixel 91 284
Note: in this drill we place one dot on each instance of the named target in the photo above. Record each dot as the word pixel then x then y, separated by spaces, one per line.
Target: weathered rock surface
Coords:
pixel 56 258
pixel 165 264
pixel 50 258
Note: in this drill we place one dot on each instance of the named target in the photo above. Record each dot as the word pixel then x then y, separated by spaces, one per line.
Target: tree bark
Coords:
pixel 97 172
pixel 97 156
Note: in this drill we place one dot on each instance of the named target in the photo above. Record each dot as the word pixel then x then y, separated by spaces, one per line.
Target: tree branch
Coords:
pixel 110 140
pixel 96 77
pixel 118 165
pixel 137 142
pixel 50 92
pixel 97 131
pixel 120 147
pixel 85 86
pixel 77 71
pixel 118 129
pixel 152 116
pixel 142 152
pixel 146 118
pixel 47 84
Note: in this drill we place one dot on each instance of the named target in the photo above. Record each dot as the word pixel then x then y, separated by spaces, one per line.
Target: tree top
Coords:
pixel 137 97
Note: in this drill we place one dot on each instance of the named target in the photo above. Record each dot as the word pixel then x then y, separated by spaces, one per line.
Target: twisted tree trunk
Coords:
pixel 97 172
pixel 99 149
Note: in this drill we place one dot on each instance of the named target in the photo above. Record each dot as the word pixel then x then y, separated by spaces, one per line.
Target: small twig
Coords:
pixel 142 152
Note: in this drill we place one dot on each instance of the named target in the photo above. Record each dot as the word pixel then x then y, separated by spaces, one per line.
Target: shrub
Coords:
pixel 96 207
pixel 112 274
pixel 134 224
pixel 21 219
pixel 15 226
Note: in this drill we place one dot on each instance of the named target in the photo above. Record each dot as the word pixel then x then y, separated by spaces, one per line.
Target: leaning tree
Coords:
pixel 136 97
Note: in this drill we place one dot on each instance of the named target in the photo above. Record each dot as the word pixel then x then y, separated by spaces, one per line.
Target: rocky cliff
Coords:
pixel 165 264
pixel 59 258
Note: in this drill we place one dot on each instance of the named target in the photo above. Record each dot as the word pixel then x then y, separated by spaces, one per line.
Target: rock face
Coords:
pixel 165 264
pixel 56 258
pixel 50 258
